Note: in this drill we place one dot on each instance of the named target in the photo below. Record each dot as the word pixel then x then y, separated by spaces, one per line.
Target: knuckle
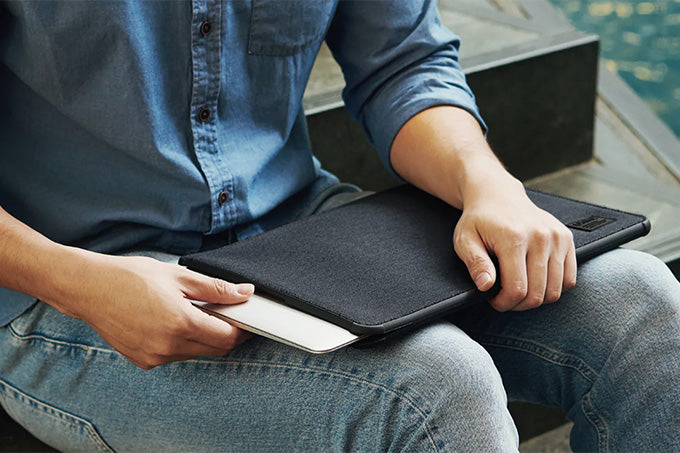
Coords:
pixel 540 266
pixel 556 262
pixel 221 287
pixel 462 241
pixel 165 349
pixel 500 305
pixel 558 237
pixel 517 293
pixel 514 237
pixel 458 235
pixel 179 326
pixel 552 295
pixel 541 238
pixel 533 301
pixel 477 262
pixel 566 235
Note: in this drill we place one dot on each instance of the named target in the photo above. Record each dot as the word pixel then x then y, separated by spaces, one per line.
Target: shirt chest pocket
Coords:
pixel 286 27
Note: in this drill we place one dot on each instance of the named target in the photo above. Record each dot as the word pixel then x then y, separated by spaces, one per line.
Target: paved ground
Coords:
pixel 555 441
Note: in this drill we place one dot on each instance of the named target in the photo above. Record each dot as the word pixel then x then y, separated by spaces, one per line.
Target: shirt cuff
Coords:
pixel 388 117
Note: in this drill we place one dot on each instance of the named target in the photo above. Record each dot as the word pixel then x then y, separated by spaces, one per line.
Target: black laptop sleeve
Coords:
pixel 386 262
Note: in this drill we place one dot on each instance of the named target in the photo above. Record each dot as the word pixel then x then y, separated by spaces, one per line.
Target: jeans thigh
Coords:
pixel 25 372
pixel 607 353
pixel 422 392
pixel 56 427
pixel 620 293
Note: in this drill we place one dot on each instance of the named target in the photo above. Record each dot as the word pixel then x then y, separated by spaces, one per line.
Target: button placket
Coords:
pixel 205 53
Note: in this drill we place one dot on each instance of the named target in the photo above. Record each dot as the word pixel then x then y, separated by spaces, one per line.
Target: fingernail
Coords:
pixel 245 289
pixel 482 279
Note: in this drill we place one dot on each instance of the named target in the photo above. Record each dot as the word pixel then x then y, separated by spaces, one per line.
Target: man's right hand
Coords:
pixel 141 306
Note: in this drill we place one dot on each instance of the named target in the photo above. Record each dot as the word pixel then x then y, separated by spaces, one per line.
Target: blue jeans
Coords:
pixel 607 353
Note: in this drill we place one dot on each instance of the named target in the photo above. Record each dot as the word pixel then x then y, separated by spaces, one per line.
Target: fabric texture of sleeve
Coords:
pixel 398 60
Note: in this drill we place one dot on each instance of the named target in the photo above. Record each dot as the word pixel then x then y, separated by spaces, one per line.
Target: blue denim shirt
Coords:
pixel 147 124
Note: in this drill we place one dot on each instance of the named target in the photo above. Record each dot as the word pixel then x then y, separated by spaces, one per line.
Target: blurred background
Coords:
pixel 640 41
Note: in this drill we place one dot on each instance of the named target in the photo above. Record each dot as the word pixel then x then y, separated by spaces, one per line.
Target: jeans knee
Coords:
pixel 625 300
pixel 631 283
pixel 460 389
pixel 455 370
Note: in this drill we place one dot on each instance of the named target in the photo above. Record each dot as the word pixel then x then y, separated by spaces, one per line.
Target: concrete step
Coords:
pixel 535 88
pixel 553 441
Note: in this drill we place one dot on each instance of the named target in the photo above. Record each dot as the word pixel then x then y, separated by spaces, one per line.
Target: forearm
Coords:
pixel 28 260
pixel 443 151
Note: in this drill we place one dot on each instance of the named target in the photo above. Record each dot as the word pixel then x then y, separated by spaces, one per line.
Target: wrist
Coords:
pixel 67 279
pixel 487 181
pixel 443 151
pixel 477 176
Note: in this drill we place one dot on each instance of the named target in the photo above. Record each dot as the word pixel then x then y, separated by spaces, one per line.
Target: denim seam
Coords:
pixel 541 351
pixel 403 396
pixel 593 417
pixel 46 339
pixel 561 359
pixel 62 416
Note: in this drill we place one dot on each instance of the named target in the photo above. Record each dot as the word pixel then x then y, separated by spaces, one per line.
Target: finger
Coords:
pixel 570 267
pixel 473 253
pixel 162 351
pixel 214 290
pixel 513 267
pixel 240 336
pixel 556 277
pixel 537 277
pixel 185 350
pixel 137 357
pixel 215 332
pixel 192 349
pixel 553 290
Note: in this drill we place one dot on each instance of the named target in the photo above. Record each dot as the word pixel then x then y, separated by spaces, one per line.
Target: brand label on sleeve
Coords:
pixel 591 223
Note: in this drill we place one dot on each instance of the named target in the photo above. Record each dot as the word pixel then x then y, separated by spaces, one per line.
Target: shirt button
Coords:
pixel 204 115
pixel 206 28
pixel 222 198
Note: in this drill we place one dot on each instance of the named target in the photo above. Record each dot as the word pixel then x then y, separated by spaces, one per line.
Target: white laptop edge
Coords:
pixel 266 316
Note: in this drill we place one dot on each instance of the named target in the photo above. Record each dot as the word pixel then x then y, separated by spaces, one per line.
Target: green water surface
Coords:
pixel 640 40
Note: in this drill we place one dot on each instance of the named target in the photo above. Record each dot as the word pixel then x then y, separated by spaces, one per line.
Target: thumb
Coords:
pixel 473 253
pixel 216 291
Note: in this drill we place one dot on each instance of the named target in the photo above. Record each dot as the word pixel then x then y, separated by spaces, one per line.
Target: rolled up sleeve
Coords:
pixel 398 60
